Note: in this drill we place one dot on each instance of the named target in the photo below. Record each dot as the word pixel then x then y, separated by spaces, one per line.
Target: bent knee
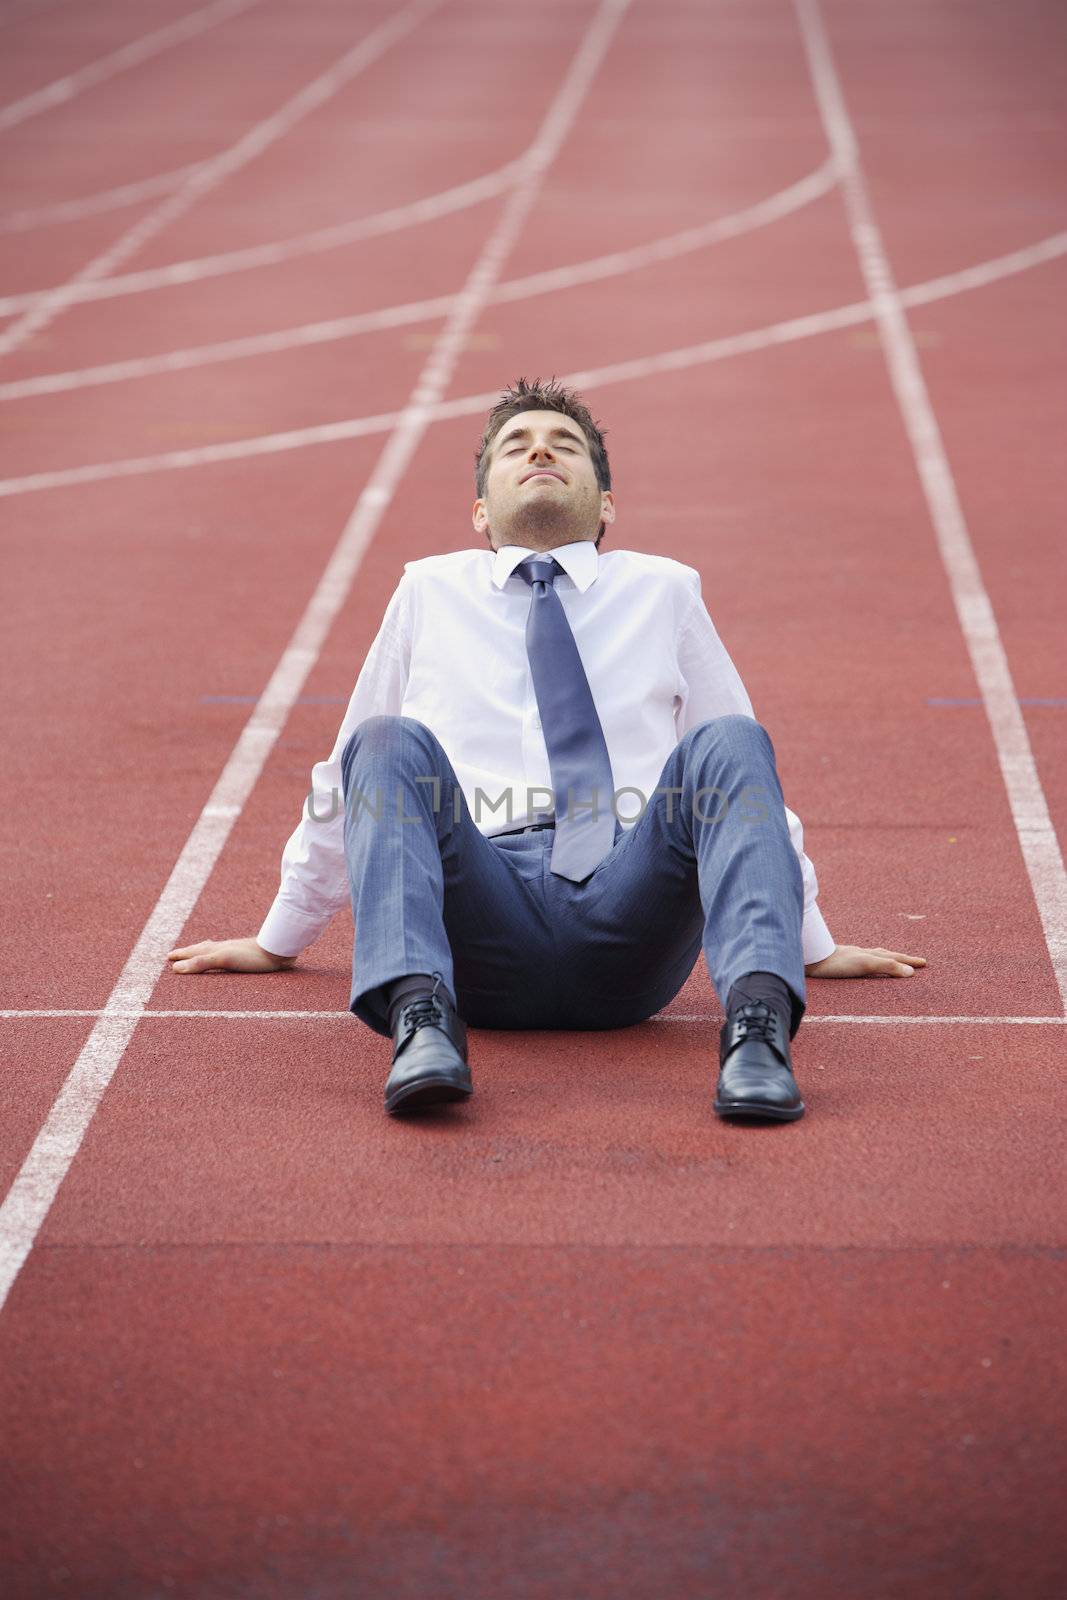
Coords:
pixel 384 735
pixel 735 725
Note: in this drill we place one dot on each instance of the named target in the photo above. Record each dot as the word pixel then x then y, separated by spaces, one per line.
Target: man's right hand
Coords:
pixel 227 955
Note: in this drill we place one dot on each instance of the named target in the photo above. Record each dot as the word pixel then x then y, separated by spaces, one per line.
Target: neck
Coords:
pixel 526 542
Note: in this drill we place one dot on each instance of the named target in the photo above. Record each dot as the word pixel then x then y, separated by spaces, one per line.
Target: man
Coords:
pixel 548 793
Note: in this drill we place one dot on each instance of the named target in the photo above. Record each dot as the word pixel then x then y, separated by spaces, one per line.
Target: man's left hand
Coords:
pixel 852 961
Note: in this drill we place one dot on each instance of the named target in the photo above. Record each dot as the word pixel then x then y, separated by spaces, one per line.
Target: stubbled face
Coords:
pixel 540 487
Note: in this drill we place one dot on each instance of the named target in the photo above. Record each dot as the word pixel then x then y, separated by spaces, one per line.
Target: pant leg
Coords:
pixel 710 865
pixel 430 893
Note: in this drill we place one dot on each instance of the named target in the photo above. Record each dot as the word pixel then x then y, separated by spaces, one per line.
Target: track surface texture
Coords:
pixel 263 266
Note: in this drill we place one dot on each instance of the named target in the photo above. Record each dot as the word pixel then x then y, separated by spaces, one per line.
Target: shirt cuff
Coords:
pixel 286 931
pixel 817 941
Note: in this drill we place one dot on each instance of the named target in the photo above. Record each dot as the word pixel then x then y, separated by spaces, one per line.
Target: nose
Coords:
pixel 541 450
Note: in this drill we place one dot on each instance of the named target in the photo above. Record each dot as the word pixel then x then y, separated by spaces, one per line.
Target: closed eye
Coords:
pixel 520 449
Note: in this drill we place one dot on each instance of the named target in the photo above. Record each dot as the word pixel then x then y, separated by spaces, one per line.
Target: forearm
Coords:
pixel 314 879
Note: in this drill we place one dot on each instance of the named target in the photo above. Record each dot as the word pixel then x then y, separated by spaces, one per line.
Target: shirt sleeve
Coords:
pixel 314 878
pixel 712 687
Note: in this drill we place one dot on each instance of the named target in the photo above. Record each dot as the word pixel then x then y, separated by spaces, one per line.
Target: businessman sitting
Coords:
pixel 548 793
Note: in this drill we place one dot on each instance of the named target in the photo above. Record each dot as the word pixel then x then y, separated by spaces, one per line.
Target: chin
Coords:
pixel 544 530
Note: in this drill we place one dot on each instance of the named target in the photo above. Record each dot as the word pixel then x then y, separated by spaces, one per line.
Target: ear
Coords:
pixel 607 506
pixel 480 517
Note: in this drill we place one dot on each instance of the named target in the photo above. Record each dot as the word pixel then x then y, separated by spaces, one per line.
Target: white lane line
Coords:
pixel 777 333
pixel 253 344
pixel 618 262
pixel 894 1022
pixel 336 1016
pixel 427 209
pixel 1037 837
pixel 455 198
pixel 819 322
pixel 34 1189
pixel 90 205
pixel 129 55
pixel 759 215
pixel 985 272
pixel 201 455
pixel 219 168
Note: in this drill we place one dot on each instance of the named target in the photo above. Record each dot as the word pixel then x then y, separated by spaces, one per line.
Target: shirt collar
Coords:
pixel 579 561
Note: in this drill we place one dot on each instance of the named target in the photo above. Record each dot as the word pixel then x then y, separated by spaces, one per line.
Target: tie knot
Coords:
pixel 538 569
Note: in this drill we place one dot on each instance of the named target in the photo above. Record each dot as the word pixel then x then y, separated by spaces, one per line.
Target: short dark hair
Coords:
pixel 542 395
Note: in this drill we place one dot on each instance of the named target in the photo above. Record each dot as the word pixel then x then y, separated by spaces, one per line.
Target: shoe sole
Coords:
pixel 747 1108
pixel 425 1092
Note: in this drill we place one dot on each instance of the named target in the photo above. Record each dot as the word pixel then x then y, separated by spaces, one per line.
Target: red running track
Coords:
pixel 578 1339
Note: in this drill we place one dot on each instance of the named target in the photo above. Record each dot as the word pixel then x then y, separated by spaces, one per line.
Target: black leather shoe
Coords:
pixel 429 1054
pixel 755 1071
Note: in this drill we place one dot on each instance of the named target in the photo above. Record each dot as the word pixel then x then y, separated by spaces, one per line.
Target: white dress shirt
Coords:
pixel 451 652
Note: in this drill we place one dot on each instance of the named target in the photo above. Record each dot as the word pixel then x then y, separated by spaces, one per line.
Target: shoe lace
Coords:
pixel 757 1020
pixel 425 1010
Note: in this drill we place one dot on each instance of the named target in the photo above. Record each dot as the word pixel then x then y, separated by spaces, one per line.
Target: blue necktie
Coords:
pixel 577 751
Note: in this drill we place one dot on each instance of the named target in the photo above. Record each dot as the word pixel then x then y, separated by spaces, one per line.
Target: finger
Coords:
pixel 191 949
pixel 200 963
pixel 881 963
pixel 898 955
